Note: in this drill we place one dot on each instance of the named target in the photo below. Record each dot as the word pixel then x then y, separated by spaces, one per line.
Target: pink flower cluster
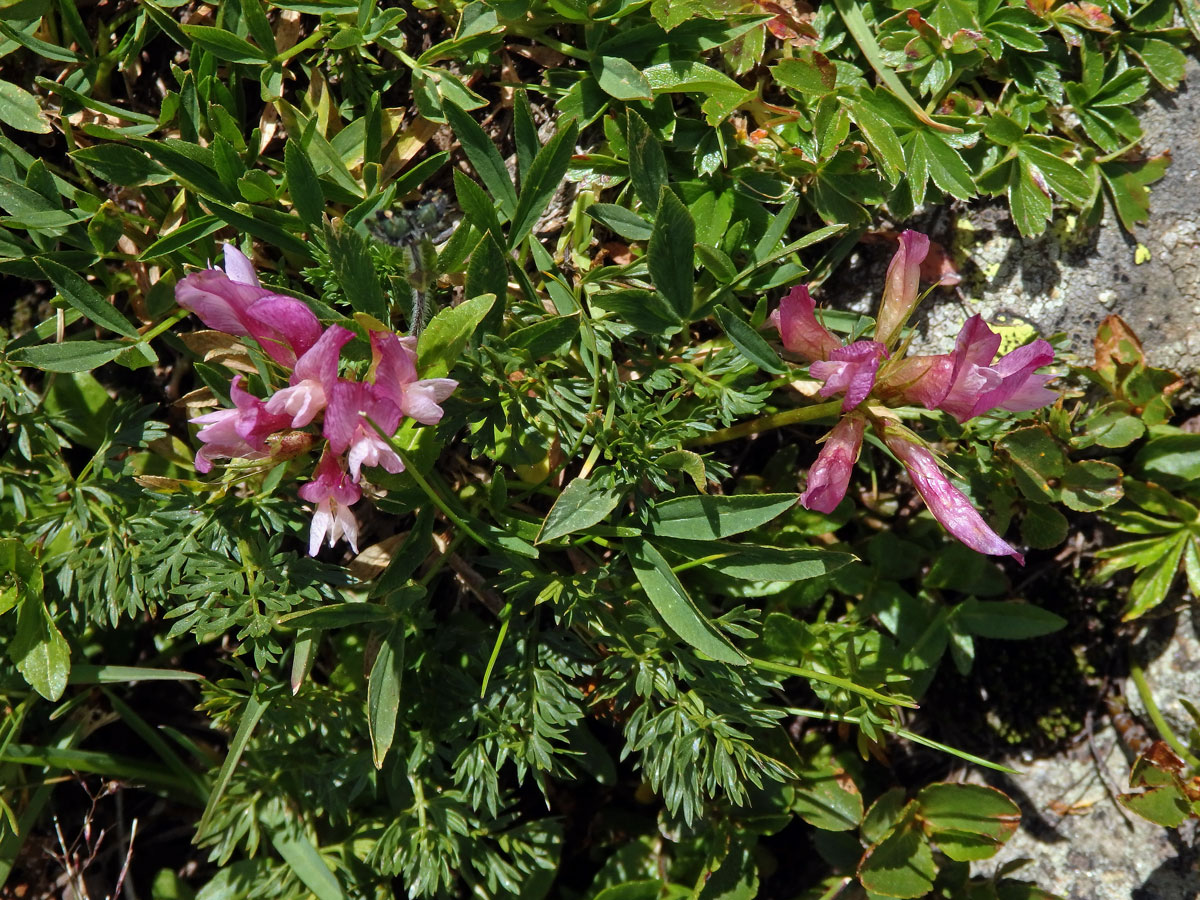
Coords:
pixel 967 382
pixel 233 301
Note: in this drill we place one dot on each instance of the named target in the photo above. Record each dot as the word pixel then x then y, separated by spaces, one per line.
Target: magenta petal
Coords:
pixel 221 303
pixel 1019 388
pixel 976 343
pixel 947 503
pixel 332 493
pixel 341 414
pixel 422 399
pixel 901 286
pixel 238 267
pixel 830 474
pixel 850 369
pixel 798 326
pixel 320 361
pixel 285 328
pixel 396 379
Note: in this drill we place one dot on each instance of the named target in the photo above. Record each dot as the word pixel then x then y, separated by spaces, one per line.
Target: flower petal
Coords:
pixel 238 267
pixel 798 326
pixel 947 503
pixel 830 474
pixel 850 369
pixel 285 327
pixel 221 303
pixel 901 286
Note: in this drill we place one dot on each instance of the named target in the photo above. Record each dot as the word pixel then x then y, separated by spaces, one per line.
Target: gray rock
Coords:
pixel 1062 285
pixel 1081 844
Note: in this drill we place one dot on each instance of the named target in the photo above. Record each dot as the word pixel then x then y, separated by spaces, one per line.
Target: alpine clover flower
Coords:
pixel 316 396
pixel 967 382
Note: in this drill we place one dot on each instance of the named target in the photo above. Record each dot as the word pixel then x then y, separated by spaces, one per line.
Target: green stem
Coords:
pixel 429 490
pixel 906 734
pixel 836 681
pixel 768 423
pixel 1156 717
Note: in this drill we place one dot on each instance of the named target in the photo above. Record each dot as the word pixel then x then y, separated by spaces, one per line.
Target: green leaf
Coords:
pixel 671 254
pixel 735 879
pixel 620 78
pixel 355 271
pixel 20 109
pixel 814 75
pixel 954 811
pixel 250 717
pixel 484 157
pixel 1172 459
pixel 1091 484
pixel 749 342
pixel 121 165
pixel 478 206
pixel 383 692
pixel 751 562
pixel 304 859
pixel 303 185
pixel 643 310
pixel 672 602
pixel 886 146
pixel 92 674
pixel 1153 582
pixel 901 865
pixel 548 336
pixel 689 75
pixel 69 356
pixel 443 340
pixel 705 517
pixel 337 615
pixel 85 298
pixel 545 175
pixel 1166 806
pixel 225 44
pixel 828 799
pixel 647 163
pixel 621 221
pixel 1007 619
pixel 1043 526
pixel 582 504
pixel 39 650
pixel 183 236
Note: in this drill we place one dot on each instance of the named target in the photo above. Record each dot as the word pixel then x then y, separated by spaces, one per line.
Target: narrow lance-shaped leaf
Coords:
pixel 546 173
pixel 484 157
pixel 581 504
pixel 383 692
pixel 671 254
pixel 677 609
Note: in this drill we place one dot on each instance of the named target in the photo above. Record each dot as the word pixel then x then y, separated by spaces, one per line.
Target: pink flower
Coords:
pixel 966 383
pixel 240 432
pixel 284 327
pixel 332 493
pixel 830 474
pixel 850 369
pixel 395 366
pixel 900 287
pixel 234 302
pixel 798 326
pixel 350 405
pixel 313 378
pixel 947 503
pixel 222 299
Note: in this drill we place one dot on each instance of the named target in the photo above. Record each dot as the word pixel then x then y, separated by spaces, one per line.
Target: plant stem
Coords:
pixel 1156 717
pixel 768 423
